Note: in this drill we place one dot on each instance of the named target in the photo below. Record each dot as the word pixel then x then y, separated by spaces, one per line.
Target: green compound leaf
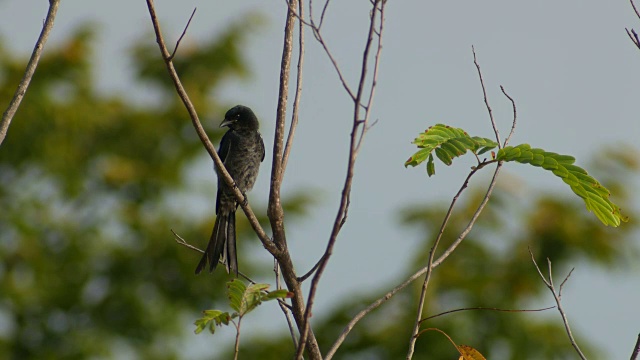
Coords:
pixel 210 319
pixel 595 196
pixel 448 143
pixel 235 293
pixel 243 299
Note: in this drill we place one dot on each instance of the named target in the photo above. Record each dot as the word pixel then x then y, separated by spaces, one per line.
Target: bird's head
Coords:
pixel 240 117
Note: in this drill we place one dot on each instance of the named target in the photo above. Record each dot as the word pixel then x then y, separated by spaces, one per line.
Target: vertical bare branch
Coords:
pixel 515 116
pixel 296 100
pixel 357 133
pixel 8 115
pixel 486 100
pixel 557 295
pixel 275 211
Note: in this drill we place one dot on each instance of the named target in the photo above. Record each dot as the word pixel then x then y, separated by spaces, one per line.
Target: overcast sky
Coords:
pixel 569 65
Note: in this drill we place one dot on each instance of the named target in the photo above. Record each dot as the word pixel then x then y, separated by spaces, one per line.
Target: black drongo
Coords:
pixel 241 151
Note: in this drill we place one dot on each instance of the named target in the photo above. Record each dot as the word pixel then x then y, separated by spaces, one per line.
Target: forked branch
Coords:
pixel 557 295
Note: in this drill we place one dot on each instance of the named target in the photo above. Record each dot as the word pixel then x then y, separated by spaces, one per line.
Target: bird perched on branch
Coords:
pixel 241 150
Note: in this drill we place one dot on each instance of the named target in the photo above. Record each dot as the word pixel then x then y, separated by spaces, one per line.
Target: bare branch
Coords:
pixel 296 100
pixel 283 305
pixel 8 115
pixel 635 9
pixel 173 54
pixel 253 220
pixel 634 37
pixel 355 140
pixel 483 308
pixel 636 349
pixel 515 116
pixel 184 243
pixel 557 295
pixel 486 100
pixel 275 211
pixel 431 263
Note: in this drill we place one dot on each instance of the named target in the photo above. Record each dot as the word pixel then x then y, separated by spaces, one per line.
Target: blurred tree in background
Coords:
pixel 91 184
pixel 90 187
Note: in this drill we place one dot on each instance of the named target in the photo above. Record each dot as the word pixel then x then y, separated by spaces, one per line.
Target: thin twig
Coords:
pixel 182 93
pixel 431 263
pixel 635 9
pixel 515 116
pixel 634 37
pixel 377 8
pixel 184 243
pixel 296 100
pixel 474 218
pixel 283 305
pixel 324 11
pixel 8 115
pixel 486 99
pixel 483 308
pixel 557 295
pixel 632 34
pixel 173 54
pixel 636 349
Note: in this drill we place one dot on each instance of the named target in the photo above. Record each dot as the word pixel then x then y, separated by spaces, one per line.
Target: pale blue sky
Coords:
pixel 569 65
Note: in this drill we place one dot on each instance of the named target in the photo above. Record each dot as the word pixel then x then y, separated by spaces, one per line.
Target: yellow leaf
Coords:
pixel 469 353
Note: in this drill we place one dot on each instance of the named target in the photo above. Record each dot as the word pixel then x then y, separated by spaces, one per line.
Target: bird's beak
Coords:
pixel 227 122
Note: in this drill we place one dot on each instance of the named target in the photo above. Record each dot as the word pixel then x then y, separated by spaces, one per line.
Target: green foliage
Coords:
pixel 243 299
pixel 595 196
pixel 449 142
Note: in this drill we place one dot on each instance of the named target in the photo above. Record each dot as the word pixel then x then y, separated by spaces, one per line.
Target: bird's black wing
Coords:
pixel 223 152
pixel 261 146
pixel 225 145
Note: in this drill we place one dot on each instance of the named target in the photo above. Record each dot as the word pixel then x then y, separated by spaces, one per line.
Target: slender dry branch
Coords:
pixel 557 295
pixel 275 211
pixel 173 54
pixel 431 263
pixel 633 35
pixel 636 349
pixel 357 132
pixel 182 93
pixel 431 266
pixel 8 115
pixel 486 99
pixel 515 116
pixel 635 9
pixel 296 100
pixel 283 305
pixel 483 308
